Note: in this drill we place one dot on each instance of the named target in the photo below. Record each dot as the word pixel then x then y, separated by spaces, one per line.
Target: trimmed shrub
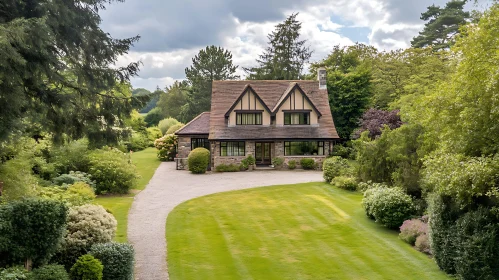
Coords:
pixel 198 160
pixel 334 166
pixel 112 170
pixel 137 142
pixel 344 182
pixel 364 186
pixel 117 259
pixel 50 272
pixel 174 128
pixel 33 228
pixel 14 273
pixel 228 168
pixel 277 162
pixel 388 206
pixel 75 195
pixel 86 225
pixel 65 180
pixel 166 146
pixel 292 164
pixel 165 124
pixel 87 268
pixel 71 157
pixel 423 244
pixel 307 163
pixel 412 229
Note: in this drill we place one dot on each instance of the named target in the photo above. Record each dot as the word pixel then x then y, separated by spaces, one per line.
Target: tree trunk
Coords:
pixel 28 264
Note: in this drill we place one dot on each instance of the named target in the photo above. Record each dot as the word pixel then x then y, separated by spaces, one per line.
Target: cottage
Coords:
pixel 288 119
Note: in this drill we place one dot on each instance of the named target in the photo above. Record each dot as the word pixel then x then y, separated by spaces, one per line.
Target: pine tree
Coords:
pixel 211 63
pixel 57 73
pixel 442 25
pixel 285 56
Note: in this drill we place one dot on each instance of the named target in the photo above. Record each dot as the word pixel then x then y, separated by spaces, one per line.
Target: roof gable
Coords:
pixel 198 125
pixel 247 90
pixel 288 93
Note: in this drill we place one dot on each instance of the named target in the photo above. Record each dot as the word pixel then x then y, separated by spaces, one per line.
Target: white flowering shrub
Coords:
pixel 388 206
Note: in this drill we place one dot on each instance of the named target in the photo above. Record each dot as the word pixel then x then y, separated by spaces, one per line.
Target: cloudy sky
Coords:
pixel 173 31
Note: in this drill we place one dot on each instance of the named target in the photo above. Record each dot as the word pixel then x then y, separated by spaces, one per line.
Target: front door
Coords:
pixel 262 153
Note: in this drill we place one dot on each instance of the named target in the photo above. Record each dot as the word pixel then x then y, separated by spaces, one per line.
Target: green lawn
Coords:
pixel 304 231
pixel 147 162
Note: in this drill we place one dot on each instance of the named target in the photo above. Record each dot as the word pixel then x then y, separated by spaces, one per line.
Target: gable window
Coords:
pixel 248 118
pixel 303 148
pixel 200 142
pixel 296 118
pixel 236 149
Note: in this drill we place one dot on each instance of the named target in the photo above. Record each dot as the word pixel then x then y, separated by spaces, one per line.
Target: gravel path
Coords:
pixel 167 189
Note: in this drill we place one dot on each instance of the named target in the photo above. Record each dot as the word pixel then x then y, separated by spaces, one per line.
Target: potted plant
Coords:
pixel 249 162
pixel 277 162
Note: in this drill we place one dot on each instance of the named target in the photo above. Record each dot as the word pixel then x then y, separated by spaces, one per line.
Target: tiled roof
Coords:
pixel 199 125
pixel 226 92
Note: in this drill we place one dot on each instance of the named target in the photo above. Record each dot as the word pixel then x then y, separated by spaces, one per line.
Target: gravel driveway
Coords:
pixel 168 188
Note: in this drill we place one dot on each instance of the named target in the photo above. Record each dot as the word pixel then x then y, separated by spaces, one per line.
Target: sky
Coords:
pixel 172 32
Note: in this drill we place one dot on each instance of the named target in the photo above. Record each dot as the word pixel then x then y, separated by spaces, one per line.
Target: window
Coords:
pixel 303 148
pixel 232 149
pixel 200 142
pixel 296 118
pixel 248 118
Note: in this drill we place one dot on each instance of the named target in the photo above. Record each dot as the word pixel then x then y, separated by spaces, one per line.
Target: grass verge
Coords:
pixel 304 231
pixel 146 162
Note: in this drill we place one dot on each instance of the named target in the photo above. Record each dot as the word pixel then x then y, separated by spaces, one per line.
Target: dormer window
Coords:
pixel 248 118
pixel 297 118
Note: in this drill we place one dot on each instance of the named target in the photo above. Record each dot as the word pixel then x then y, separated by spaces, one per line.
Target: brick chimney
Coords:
pixel 321 76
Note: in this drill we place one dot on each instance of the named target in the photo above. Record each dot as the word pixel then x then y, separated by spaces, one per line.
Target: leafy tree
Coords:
pixel 35 229
pixel 442 25
pixel 152 102
pixel 348 97
pixel 171 101
pixel 285 56
pixel 374 120
pixel 211 63
pixel 56 68
pixel 154 117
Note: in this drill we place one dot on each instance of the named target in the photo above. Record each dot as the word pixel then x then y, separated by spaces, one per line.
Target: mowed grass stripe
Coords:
pixel 304 231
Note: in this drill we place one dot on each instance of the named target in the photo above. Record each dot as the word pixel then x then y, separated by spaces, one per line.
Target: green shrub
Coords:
pixel 153 133
pixel 343 151
pixel 165 124
pixel 86 225
pixel 75 195
pixel 344 182
pixel 228 168
pixel 14 273
pixel 292 164
pixel 364 186
pixel 246 162
pixel 50 272
pixel 277 162
pixel 112 170
pixel 388 206
pixel 33 228
pixel 464 243
pixel 244 165
pixel 154 117
pixel 198 160
pixel 117 259
pixel 334 166
pixel 74 176
pixel 87 268
pixel 137 142
pixel 71 157
pixel 174 128
pixel 166 146
pixel 251 160
pixel 308 163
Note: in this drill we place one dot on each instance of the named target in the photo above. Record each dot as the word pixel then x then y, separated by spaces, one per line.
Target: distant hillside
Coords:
pixel 151 104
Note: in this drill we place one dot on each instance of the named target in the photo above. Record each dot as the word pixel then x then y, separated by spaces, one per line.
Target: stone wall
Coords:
pixel 183 146
pixel 216 159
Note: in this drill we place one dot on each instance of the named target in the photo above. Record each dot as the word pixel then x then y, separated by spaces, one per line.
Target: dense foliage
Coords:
pixel 165 124
pixel 74 195
pixel 117 258
pixel 333 167
pixel 345 182
pixel 412 229
pixel 49 272
pixel 87 268
pixel 173 98
pixel 198 160
pixel 112 170
pixel 32 229
pixel 374 120
pixel 308 163
pixel 229 167
pixel 388 206
pixel 174 128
